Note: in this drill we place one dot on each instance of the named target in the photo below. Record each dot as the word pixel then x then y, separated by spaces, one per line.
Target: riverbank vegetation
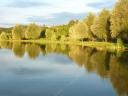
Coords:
pixel 106 26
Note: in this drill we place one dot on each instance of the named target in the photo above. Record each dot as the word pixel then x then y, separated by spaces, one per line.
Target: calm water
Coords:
pixel 61 70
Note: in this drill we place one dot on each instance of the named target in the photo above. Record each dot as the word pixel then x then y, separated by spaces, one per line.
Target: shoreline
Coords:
pixel 93 44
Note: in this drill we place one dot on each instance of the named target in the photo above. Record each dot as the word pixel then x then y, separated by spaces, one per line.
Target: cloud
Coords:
pixel 26 4
pixel 5 24
pixel 100 5
pixel 58 18
pixel 47 11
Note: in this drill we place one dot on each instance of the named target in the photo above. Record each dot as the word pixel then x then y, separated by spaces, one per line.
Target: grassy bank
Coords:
pixel 98 45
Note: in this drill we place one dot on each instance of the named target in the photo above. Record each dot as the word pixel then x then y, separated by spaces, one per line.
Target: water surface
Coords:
pixel 61 70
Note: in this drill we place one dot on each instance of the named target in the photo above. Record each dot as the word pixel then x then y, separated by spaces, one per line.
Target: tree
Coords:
pixel 72 22
pixel 62 31
pixel 78 31
pixel 33 31
pixel 18 32
pixel 101 26
pixel 63 38
pixel 43 30
pixel 119 20
pixel 50 34
pixel 3 36
pixel 89 21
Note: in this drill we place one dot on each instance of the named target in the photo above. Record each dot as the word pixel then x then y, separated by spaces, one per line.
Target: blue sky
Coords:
pixel 50 12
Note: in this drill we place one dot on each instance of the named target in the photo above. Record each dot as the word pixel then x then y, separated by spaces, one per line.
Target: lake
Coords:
pixel 28 69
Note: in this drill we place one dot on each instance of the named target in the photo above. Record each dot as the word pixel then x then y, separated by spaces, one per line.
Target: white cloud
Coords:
pixel 12 14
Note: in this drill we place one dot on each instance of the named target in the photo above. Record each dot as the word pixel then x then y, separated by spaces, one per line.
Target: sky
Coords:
pixel 49 12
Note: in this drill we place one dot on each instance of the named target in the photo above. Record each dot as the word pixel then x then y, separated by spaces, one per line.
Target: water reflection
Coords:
pixel 18 49
pixel 105 64
pixel 5 44
pixel 33 50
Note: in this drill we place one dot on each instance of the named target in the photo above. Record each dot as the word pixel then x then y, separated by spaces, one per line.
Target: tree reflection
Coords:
pixel 42 49
pixel 100 62
pixel 107 65
pixel 33 50
pixel 81 56
pixel 6 44
pixel 18 49
pixel 119 75
pixel 50 48
pixel 56 48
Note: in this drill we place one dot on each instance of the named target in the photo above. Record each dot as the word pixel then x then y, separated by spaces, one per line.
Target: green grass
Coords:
pixel 98 45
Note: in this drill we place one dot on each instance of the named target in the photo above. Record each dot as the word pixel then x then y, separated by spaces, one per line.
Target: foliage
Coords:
pixel 119 20
pixel 89 21
pixel 43 30
pixel 3 36
pixel 7 30
pixel 50 34
pixel 33 31
pixel 78 31
pixel 72 22
pixel 120 44
pixel 18 32
pixel 101 24
pixel 63 38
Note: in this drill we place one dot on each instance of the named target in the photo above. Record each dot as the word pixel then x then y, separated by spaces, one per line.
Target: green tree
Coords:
pixel 33 31
pixel 89 21
pixel 119 20
pixel 50 34
pixel 3 36
pixel 43 30
pixel 78 31
pixel 63 38
pixel 72 22
pixel 101 26
pixel 18 32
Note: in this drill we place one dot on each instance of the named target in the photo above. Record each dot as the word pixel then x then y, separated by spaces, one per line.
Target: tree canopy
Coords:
pixel 33 31
pixel 18 32
pixel 101 25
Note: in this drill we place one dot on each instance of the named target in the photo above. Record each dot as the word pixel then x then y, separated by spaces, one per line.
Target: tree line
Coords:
pixel 106 26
